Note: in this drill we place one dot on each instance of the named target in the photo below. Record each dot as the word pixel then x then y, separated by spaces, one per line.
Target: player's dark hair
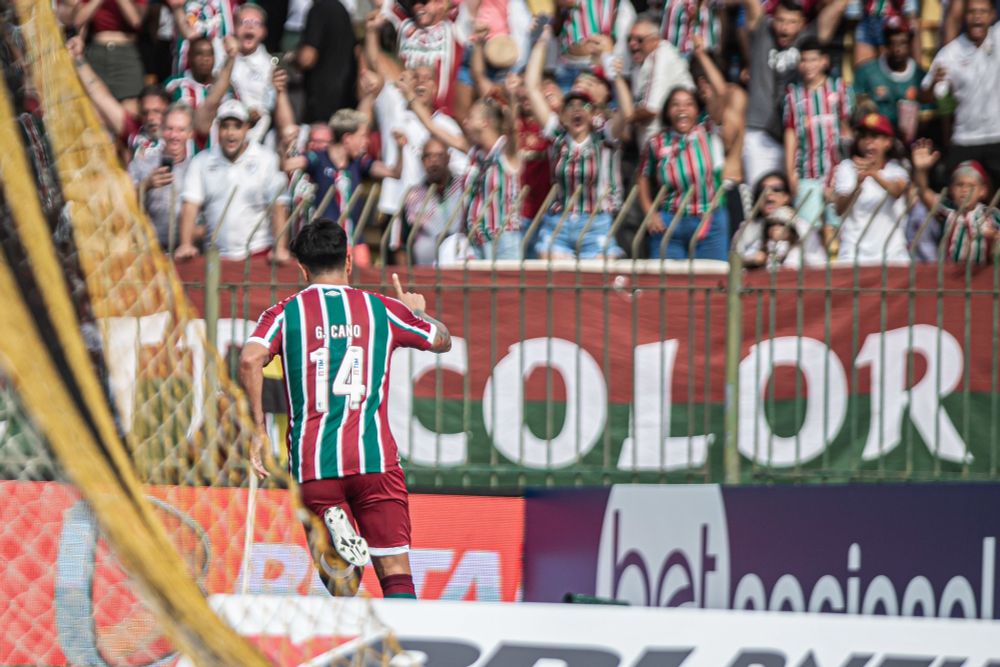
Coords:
pixel 321 246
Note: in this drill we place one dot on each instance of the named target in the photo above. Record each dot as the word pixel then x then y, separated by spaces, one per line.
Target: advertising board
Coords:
pixel 906 550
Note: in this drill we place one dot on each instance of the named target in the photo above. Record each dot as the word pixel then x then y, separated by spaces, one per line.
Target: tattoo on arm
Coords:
pixel 442 342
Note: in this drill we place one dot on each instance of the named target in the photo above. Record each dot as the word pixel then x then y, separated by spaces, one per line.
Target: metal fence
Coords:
pixel 572 372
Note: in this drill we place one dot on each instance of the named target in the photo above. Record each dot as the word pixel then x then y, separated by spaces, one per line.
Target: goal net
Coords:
pixel 127 515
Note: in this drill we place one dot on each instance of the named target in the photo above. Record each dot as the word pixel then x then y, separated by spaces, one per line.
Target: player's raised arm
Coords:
pixel 416 303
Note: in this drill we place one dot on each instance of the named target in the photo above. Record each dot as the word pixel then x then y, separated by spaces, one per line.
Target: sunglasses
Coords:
pixel 777 189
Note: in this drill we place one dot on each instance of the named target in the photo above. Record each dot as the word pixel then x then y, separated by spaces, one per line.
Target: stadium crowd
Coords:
pixel 813 128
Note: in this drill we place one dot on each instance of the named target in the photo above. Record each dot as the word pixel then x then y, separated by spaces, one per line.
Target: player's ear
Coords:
pixel 348 263
pixel 304 272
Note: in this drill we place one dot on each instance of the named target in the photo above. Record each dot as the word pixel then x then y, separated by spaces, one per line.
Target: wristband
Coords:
pixel 608 63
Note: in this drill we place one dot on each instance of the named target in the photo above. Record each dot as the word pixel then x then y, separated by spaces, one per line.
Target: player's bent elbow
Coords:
pixel 442 344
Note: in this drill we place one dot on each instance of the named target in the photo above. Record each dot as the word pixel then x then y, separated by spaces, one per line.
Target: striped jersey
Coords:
pixel 682 19
pixel 594 17
pixel 683 162
pixel 966 233
pixel 438 46
pixel 185 89
pixel 887 8
pixel 594 165
pixel 336 343
pixel 816 116
pixel 491 186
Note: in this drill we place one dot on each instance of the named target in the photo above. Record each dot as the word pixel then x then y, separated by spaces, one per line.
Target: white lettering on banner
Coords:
pixel 888 356
pixel 232 332
pixel 126 336
pixel 586 403
pixel 282 569
pixel 649 445
pixel 826 400
pixel 415 441
pixel 453 634
pixel 679 556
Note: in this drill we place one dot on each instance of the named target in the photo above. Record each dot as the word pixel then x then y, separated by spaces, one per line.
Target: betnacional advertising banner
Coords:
pixel 576 377
pixel 925 550
pixel 64 596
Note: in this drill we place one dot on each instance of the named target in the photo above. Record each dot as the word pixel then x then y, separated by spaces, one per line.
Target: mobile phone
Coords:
pixel 168 162
pixel 541 20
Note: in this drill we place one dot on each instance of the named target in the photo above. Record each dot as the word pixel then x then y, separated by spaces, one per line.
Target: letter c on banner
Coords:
pixel 506 387
pixel 757 441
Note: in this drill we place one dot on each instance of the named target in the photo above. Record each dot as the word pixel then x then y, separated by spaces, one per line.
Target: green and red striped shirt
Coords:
pixel 593 165
pixel 684 18
pixel 816 116
pixel 593 17
pixel 684 161
pixel 492 186
pixel 336 343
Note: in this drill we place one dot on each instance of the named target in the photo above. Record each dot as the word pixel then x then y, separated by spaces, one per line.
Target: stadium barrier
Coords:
pixel 602 371
pixel 460 635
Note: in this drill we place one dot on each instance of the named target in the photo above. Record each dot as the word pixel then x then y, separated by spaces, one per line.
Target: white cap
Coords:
pixel 233 109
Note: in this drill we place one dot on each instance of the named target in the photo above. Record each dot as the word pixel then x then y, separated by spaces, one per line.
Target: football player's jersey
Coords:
pixel 336 343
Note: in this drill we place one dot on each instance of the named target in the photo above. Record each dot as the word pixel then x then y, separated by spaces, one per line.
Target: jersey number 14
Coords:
pixel 347 382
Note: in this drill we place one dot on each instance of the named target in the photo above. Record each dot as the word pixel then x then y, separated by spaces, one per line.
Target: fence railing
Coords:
pixel 610 370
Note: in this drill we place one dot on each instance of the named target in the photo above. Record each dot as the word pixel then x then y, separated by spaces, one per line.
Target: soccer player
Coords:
pixel 336 343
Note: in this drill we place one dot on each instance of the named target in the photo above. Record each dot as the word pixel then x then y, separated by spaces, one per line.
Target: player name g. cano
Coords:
pixel 340 331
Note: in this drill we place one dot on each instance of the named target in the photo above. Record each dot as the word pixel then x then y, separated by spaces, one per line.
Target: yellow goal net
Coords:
pixel 127 513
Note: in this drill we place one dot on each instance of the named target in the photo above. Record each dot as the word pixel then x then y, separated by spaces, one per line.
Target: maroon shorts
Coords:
pixel 377 503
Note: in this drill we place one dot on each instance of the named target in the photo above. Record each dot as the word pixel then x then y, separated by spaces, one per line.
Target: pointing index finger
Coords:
pixel 395 282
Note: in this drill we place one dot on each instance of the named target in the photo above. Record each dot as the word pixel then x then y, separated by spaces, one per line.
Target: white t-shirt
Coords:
pixel 392 114
pixel 659 73
pixel 251 80
pixel 974 76
pixel 210 180
pixel 883 227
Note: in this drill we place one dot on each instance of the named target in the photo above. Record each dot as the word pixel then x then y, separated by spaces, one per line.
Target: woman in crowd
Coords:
pixel 687 159
pixel 777 236
pixel 869 194
pixel 586 167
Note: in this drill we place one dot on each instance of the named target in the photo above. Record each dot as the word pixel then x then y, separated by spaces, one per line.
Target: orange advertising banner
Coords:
pixel 56 570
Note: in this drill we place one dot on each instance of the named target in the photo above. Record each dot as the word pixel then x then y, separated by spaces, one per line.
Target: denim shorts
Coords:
pixel 596 242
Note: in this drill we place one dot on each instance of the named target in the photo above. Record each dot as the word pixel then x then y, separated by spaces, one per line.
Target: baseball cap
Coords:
pixel 877 123
pixel 578 95
pixel 233 109
pixel 977 167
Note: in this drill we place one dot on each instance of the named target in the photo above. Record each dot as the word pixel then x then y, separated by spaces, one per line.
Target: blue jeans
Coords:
pixel 713 246
pixel 507 246
pixel 595 243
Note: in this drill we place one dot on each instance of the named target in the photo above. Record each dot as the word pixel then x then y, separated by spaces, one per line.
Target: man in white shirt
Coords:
pixel 658 68
pixel 251 77
pixel 159 173
pixel 249 175
pixel 393 114
pixel 969 68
